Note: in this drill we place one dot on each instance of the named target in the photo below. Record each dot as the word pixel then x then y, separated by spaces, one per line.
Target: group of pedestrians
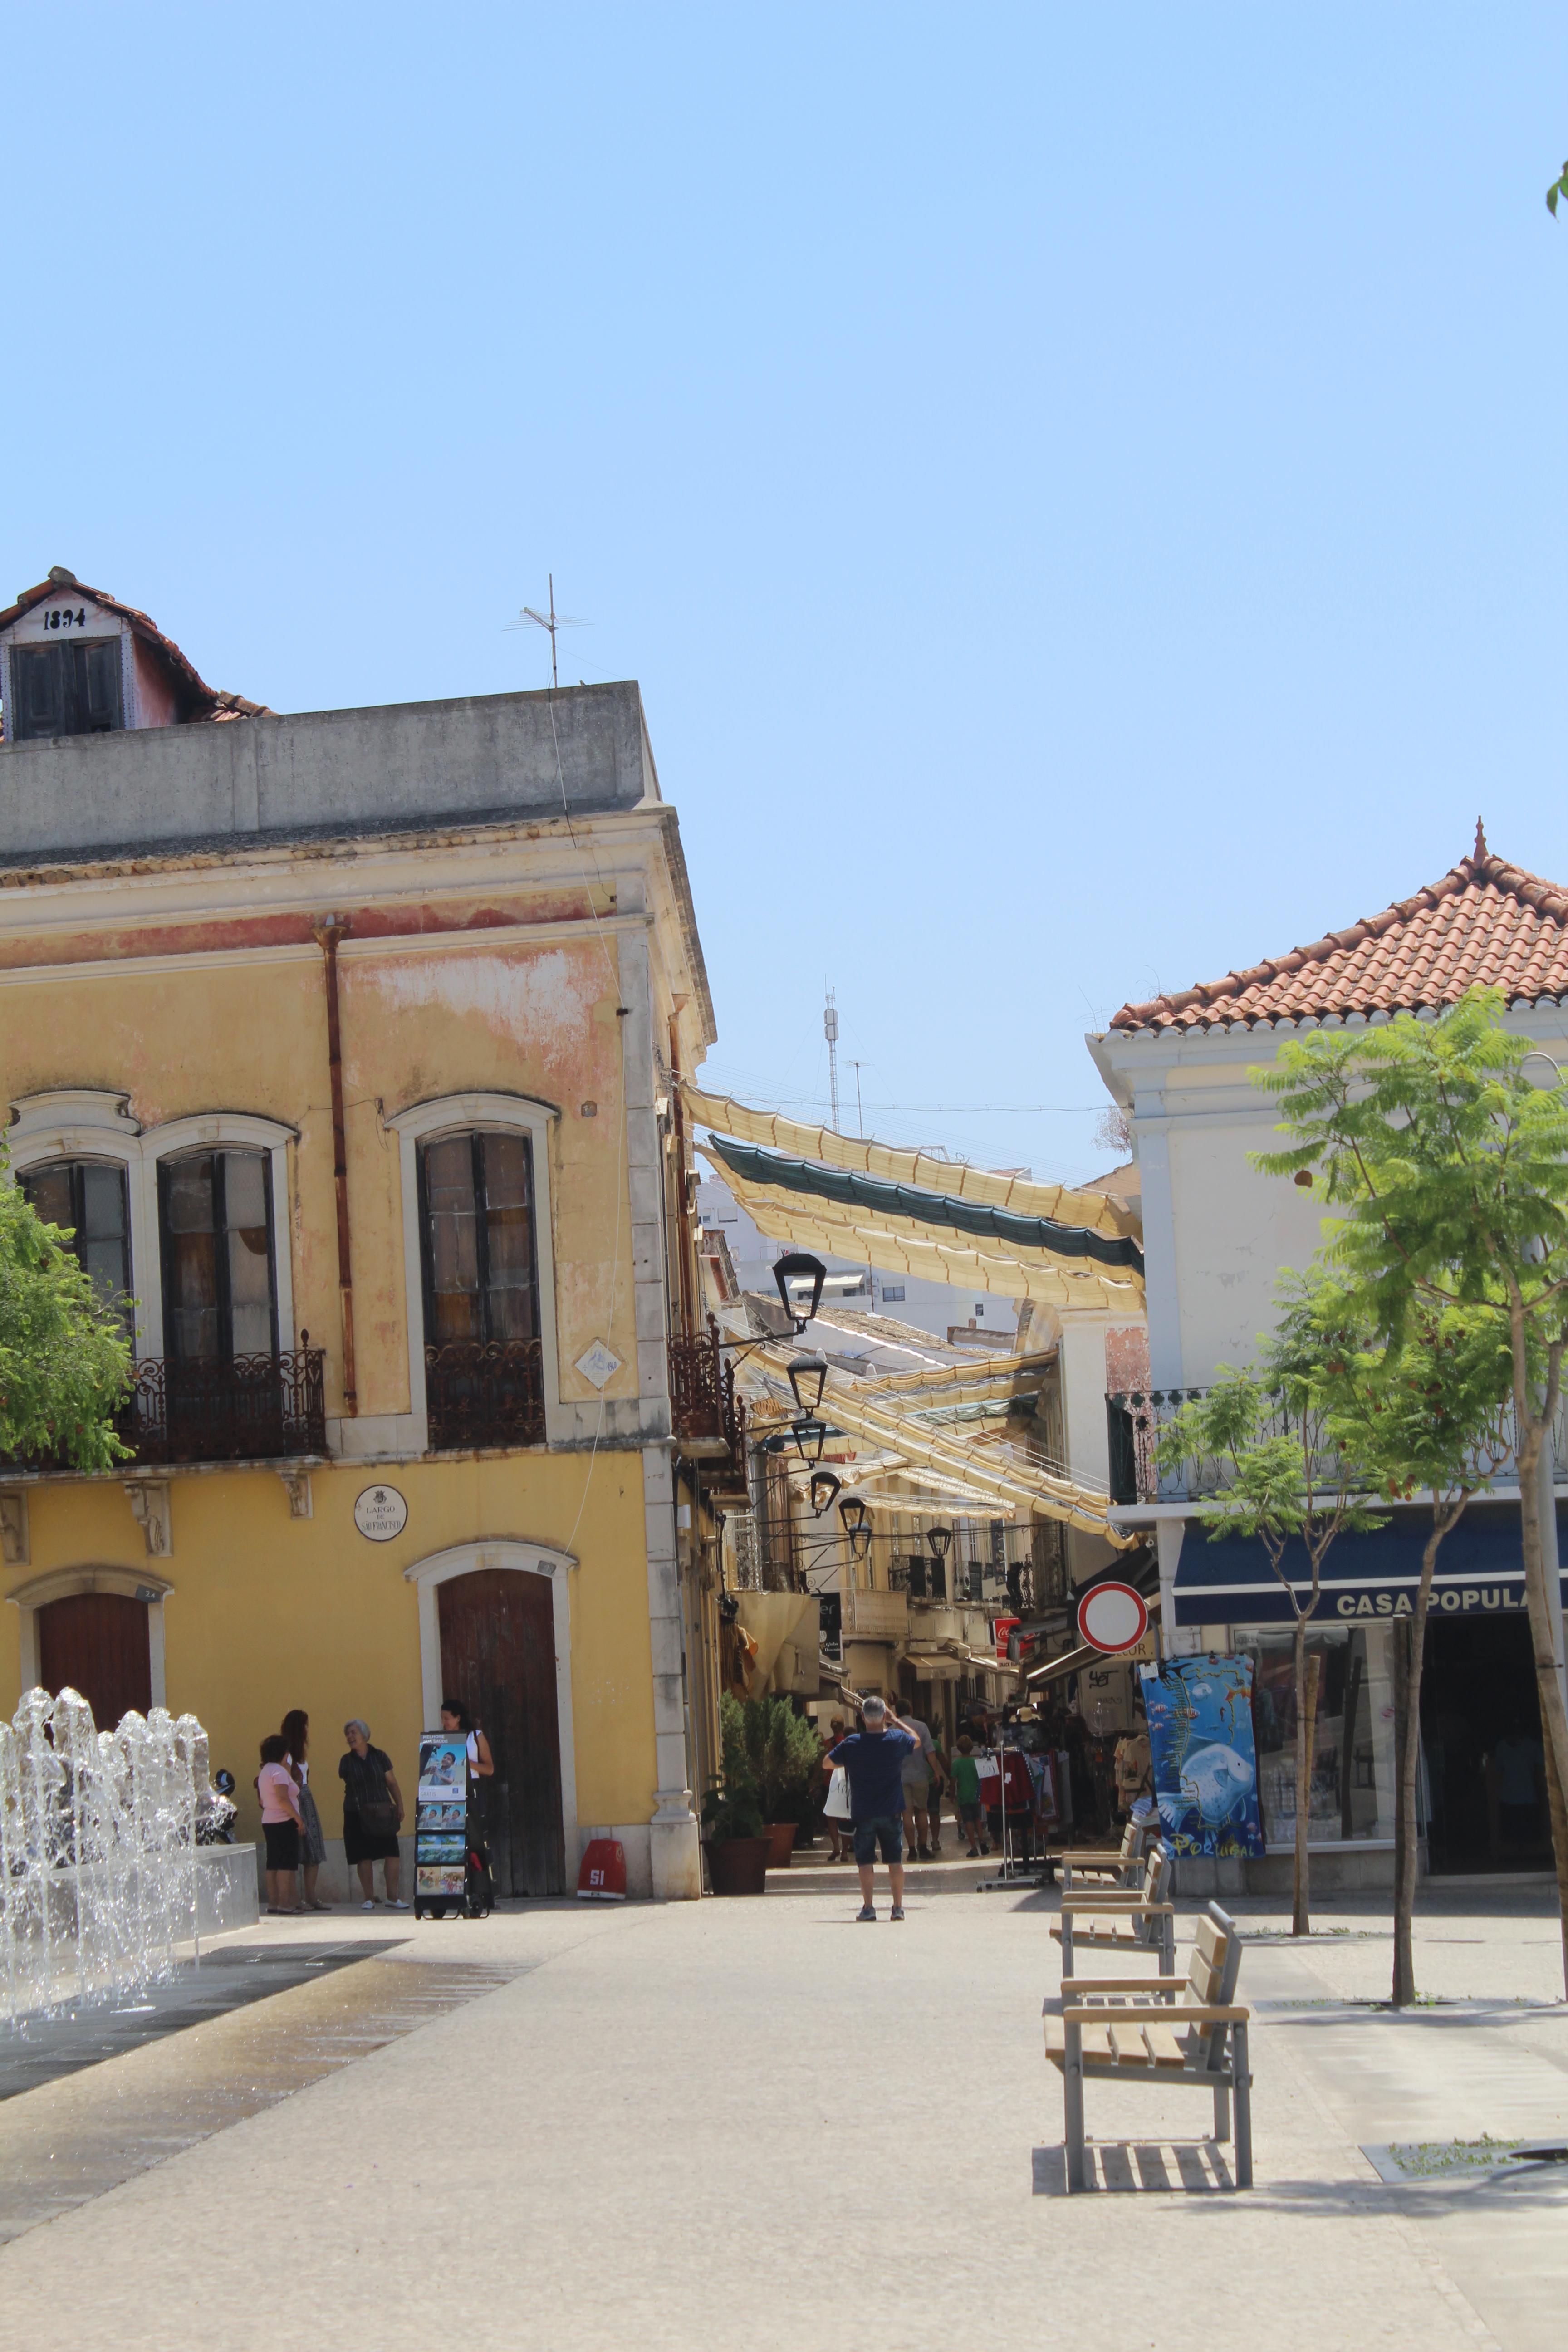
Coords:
pixel 896 1772
pixel 292 1825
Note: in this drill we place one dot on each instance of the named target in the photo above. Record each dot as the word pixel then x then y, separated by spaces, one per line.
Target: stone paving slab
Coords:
pixel 760 2123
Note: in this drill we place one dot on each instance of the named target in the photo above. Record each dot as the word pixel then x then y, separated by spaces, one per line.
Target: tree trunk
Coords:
pixel 1543 1608
pixel 1407 1751
pixel 1307 1672
pixel 1404 1986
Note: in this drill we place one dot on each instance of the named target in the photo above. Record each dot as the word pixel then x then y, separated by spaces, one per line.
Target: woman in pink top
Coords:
pixel 280 1825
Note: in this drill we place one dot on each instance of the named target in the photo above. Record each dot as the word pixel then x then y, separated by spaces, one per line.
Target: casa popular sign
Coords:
pixel 1112 1617
pixel 381 1513
pixel 1454 1599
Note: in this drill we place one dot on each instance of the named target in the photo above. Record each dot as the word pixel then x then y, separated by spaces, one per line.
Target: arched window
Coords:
pixel 91 1200
pixel 483 1361
pixel 220 1291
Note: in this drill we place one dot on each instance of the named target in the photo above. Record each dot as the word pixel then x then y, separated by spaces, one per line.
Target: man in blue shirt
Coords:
pixel 874 1761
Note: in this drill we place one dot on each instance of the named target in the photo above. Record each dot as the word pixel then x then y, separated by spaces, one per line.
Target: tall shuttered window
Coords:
pixel 477 1203
pixel 220 1292
pixel 66 690
pixel 87 1199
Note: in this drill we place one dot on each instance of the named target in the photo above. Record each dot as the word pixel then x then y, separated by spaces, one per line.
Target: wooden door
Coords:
pixel 498 1656
pixel 97 1643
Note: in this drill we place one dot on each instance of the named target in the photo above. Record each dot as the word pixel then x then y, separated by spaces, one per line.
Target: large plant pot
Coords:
pixel 739 1865
pixel 781 1837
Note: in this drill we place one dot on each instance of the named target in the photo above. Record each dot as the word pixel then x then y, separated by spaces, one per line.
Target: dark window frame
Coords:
pixel 218 1154
pixel 75 1170
pixel 73 689
pixel 476 1138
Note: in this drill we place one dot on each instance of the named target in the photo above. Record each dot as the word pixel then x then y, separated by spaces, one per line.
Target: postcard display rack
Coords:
pixel 441 1871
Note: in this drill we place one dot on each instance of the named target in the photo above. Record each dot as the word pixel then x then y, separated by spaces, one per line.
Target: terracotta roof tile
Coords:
pixel 1485 923
pixel 202 701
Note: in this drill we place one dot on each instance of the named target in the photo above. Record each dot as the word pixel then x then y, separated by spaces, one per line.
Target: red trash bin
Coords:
pixel 603 1878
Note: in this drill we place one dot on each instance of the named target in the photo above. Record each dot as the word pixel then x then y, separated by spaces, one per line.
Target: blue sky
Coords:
pixel 1083 492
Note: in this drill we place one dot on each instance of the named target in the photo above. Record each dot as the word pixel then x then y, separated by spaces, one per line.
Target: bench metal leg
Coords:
pixel 1221 2112
pixel 1242 2076
pixel 1072 2105
pixel 1066 1943
pixel 1168 1945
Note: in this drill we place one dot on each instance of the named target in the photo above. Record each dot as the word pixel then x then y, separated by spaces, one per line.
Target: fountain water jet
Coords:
pixel 98 1832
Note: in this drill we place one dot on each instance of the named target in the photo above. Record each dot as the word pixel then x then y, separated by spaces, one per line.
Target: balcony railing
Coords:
pixel 1136 1419
pixel 485 1393
pixel 254 1408
pixel 709 1419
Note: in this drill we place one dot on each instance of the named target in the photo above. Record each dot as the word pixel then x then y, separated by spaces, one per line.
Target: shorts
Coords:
pixel 884 1830
pixel 917 1796
pixel 282 1844
pixel 970 1815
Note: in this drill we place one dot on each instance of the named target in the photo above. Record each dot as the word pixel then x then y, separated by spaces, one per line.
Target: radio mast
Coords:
pixel 830 1031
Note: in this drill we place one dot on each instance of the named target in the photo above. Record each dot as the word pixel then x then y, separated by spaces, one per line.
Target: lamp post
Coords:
pixel 809 1435
pixel 799 1265
pixel 808 1377
pixel 856 1521
pixel 825 1484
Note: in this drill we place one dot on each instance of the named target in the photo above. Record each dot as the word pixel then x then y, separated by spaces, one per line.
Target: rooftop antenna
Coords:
pixel 830 1031
pixel 549 622
pixel 859 1114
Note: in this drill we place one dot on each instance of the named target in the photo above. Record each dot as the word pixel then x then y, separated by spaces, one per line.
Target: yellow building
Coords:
pixel 342 1042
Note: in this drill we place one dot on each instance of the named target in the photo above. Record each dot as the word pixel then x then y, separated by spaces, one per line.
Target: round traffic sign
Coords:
pixel 1112 1617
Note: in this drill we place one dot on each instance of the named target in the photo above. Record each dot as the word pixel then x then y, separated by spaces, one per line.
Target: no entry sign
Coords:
pixel 1111 1617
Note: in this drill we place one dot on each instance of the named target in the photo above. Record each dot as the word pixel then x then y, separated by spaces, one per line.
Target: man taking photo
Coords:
pixel 874 1760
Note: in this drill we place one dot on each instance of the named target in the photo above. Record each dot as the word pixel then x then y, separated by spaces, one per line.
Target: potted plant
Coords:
pixel 737 1845
pixel 784 1762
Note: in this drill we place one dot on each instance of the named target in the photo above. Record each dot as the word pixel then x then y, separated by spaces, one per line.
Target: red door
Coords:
pixel 498 1656
pixel 96 1643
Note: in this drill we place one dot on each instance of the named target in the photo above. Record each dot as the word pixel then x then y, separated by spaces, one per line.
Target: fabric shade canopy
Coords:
pixel 1098 1212
pixel 900 1231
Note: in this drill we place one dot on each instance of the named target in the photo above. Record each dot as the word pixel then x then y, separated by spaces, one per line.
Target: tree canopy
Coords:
pixel 65 1359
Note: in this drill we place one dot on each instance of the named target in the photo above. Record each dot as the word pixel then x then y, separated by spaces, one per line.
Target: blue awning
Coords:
pixel 1480 1572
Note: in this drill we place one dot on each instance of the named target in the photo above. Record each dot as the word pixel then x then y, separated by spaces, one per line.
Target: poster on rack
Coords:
pixel 1199 1712
pixel 443 1770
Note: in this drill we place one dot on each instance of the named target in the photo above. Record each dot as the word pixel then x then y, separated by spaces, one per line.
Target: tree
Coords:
pixel 65 1360
pixel 1288 1483
pixel 1429 1416
pixel 1451 1166
pixel 1559 188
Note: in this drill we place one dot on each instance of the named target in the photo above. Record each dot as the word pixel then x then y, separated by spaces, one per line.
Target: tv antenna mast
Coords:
pixel 830 1031
pixel 549 622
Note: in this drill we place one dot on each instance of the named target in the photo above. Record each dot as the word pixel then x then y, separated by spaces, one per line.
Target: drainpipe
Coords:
pixel 328 934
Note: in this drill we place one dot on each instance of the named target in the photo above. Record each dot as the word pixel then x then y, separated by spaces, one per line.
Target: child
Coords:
pixel 966 1796
pixel 280 1825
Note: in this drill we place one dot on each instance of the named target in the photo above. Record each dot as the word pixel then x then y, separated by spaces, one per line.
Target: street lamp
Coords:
pixel 808 1377
pixel 825 1484
pixel 809 1435
pixel 941 1541
pixel 856 1520
pixel 799 1265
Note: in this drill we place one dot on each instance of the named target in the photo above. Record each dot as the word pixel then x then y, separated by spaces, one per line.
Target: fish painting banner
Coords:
pixel 1199 1712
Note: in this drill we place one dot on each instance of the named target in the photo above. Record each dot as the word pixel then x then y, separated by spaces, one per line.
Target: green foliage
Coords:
pixel 1287 1471
pixel 1559 188
pixel 783 1758
pixel 730 1808
pixel 65 1361
pixel 1449 1160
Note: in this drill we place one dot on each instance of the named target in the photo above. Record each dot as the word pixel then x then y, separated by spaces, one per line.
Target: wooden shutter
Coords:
pixel 38 692
pixel 97 687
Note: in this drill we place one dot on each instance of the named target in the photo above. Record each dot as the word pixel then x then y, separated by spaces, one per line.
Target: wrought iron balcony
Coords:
pixel 482 1392
pixel 709 1419
pixel 254 1408
pixel 1136 1419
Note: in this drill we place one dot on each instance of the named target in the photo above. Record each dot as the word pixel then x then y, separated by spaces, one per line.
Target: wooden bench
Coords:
pixel 1119 2029
pixel 1114 1919
pixel 1108 1866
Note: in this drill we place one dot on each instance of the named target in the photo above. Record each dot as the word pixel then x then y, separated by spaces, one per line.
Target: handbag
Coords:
pixel 379 1817
pixel 836 1809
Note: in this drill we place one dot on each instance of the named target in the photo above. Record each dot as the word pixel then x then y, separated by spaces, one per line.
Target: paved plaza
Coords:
pixel 760 2123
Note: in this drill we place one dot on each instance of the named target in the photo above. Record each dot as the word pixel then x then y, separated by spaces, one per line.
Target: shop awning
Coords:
pixel 1365 1578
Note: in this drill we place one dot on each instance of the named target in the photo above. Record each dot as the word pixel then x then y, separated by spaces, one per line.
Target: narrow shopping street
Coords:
pixel 754 2122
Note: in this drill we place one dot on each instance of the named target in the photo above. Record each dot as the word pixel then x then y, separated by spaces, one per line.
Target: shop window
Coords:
pixel 220 1292
pixel 87 1198
pixel 1351 1791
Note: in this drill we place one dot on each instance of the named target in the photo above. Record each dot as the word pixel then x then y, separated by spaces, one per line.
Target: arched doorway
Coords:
pixel 97 1643
pixel 497 1654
